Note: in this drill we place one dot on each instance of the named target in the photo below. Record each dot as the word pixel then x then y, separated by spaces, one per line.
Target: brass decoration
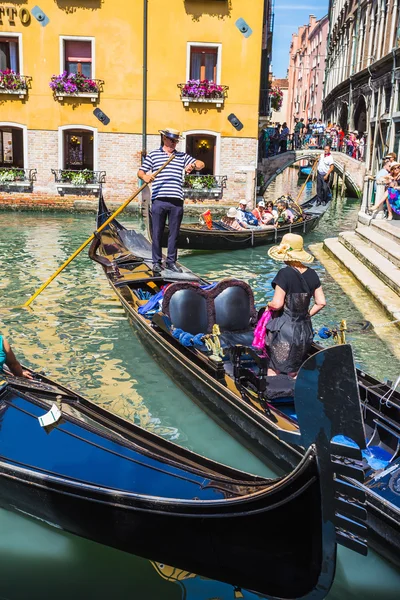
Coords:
pixel 213 344
pixel 339 335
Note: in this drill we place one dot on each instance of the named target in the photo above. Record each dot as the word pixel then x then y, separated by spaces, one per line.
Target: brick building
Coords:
pixel 306 70
pixel 55 145
pixel 362 73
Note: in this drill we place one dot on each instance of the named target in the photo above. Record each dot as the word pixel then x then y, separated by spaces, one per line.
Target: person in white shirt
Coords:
pixel 324 170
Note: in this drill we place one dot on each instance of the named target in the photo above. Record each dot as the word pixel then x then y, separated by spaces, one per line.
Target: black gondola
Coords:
pixel 196 236
pixel 232 390
pixel 103 478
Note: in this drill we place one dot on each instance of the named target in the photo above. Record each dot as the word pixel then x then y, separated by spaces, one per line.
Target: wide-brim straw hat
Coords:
pixel 173 134
pixel 291 248
pixel 394 165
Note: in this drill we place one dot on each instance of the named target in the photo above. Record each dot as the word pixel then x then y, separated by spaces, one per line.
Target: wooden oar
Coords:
pixel 304 185
pixel 83 246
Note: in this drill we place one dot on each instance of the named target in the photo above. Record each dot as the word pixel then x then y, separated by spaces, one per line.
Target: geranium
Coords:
pixel 276 96
pixel 12 81
pixel 196 88
pixel 73 83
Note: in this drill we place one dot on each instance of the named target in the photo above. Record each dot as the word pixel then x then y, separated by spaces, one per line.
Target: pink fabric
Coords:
pixel 260 330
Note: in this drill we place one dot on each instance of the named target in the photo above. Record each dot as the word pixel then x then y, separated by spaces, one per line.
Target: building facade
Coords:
pixel 363 71
pixel 86 86
pixel 306 70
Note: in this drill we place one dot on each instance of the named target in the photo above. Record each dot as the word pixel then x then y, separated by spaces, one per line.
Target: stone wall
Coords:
pixel 119 154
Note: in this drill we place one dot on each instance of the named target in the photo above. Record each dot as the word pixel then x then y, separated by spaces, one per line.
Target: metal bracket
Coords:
pixel 40 16
pixel 244 28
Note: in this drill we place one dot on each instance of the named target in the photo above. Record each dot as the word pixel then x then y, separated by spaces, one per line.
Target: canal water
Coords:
pixel 78 334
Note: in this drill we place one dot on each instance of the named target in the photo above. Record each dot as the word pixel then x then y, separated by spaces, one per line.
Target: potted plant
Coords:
pixel 71 84
pixel 77 178
pixel 196 90
pixel 13 82
pixel 276 96
pixel 11 174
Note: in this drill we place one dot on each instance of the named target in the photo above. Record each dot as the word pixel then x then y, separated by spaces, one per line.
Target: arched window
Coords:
pixel 11 146
pixel 204 147
pixel 78 148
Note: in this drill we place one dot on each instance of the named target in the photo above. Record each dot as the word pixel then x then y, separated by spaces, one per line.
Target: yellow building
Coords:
pixel 99 44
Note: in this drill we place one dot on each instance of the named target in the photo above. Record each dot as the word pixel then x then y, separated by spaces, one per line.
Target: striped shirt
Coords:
pixel 169 182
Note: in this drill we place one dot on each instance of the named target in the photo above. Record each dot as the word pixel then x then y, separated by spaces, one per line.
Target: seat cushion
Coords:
pixel 234 305
pixel 189 307
pixel 233 338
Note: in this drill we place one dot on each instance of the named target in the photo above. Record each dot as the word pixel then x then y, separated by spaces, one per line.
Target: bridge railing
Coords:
pixel 311 141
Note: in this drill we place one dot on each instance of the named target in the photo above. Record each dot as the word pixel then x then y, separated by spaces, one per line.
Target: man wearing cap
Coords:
pixel 245 217
pixel 258 212
pixel 167 194
pixel 324 170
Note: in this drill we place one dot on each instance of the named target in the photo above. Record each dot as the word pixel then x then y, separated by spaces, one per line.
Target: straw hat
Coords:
pixel 291 248
pixel 232 213
pixel 173 134
pixel 394 165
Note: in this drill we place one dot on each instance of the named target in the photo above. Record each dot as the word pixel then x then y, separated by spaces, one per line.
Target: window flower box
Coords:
pixel 84 179
pixel 75 85
pixel 13 83
pixel 276 98
pixel 202 91
pixel 16 177
pixel 204 187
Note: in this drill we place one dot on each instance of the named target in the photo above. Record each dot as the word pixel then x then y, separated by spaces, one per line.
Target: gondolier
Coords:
pixel 167 194
pixel 324 170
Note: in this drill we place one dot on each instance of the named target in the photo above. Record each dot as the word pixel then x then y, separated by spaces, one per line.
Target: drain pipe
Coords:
pixel 144 108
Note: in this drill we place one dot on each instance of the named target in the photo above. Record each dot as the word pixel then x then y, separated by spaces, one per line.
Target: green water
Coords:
pixel 78 334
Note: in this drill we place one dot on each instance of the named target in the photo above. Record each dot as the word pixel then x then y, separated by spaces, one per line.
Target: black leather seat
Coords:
pixel 230 304
pixel 232 309
pixel 188 307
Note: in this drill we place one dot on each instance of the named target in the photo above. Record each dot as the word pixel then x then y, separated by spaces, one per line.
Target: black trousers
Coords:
pixel 161 209
pixel 323 189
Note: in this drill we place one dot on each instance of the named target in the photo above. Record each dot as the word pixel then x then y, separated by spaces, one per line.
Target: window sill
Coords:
pixel 217 101
pixel 20 93
pixel 211 193
pixel 93 187
pixel 15 184
pixel 92 95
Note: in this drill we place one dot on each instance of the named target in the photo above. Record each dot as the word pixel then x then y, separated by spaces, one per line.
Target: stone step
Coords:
pixel 385 296
pixel 389 229
pixel 382 244
pixel 378 264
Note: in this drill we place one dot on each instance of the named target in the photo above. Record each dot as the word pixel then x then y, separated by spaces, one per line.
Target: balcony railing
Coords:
pixel 78 179
pixel 203 91
pixel 15 177
pixel 204 186
pixel 13 83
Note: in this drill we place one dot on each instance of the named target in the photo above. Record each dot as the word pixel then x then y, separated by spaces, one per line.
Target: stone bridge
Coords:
pixel 353 170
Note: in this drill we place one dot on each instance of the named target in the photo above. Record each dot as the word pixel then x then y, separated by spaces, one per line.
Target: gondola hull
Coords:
pixel 219 395
pixel 100 477
pixel 194 236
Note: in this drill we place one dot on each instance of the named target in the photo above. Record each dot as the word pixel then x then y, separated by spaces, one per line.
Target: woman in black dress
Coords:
pixel 289 332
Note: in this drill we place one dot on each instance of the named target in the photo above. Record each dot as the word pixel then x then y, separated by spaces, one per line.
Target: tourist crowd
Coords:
pixel 311 135
pixel 264 216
